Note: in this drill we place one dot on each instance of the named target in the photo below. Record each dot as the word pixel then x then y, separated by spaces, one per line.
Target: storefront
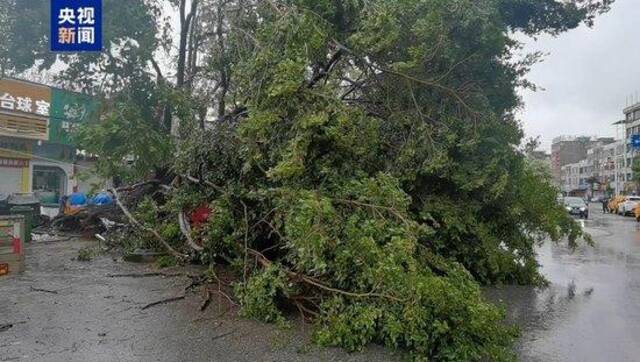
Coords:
pixel 15 162
pixel 36 126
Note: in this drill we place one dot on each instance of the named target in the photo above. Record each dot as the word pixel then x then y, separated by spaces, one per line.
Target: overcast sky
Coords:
pixel 588 76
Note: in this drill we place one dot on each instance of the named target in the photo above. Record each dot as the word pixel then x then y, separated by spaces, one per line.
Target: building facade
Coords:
pixel 632 128
pixel 592 166
pixel 567 150
pixel 36 125
pixel 576 177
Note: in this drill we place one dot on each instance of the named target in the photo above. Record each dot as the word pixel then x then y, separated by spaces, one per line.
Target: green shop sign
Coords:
pixel 68 111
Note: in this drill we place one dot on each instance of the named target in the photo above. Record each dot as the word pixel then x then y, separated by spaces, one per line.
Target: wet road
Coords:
pixel 67 310
pixel 591 311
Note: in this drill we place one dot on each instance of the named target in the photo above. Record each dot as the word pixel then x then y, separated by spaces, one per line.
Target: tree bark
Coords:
pixel 224 80
pixel 185 27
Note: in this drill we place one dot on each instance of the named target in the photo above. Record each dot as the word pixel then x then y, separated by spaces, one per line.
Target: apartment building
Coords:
pixel 567 150
pixel 575 178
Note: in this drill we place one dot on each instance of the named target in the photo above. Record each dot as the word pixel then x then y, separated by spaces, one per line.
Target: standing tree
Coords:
pixel 148 83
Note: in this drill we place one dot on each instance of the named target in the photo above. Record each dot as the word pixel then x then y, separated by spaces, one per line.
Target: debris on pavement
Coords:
pixel 33 289
pixel 163 301
pixel 145 275
pixel 7 326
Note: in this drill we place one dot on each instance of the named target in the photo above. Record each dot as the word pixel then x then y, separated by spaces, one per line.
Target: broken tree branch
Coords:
pixel 163 301
pixel 325 71
pixel 6 326
pixel 145 275
pixel 185 228
pixel 246 243
pixel 316 283
pixel 220 292
pixel 135 186
pixel 205 182
pixel 153 232
pixel 206 301
pixel 43 290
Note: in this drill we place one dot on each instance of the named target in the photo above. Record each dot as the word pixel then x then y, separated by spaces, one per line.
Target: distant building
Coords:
pixel 608 167
pixel 575 178
pixel 567 150
pixel 632 127
pixel 593 166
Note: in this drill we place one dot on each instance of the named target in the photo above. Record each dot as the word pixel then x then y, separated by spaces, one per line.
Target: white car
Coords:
pixel 627 206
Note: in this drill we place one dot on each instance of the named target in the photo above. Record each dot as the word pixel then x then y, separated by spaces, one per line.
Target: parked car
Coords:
pixel 576 206
pixel 626 207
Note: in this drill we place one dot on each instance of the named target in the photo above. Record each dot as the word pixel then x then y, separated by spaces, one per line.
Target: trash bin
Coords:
pixel 4 204
pixel 27 205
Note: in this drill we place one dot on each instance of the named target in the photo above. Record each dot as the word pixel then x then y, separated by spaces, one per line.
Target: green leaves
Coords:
pixel 376 177
pixel 310 234
pixel 126 144
pixel 260 295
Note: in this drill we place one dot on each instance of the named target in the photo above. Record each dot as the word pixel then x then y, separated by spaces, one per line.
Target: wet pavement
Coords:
pixel 67 310
pixel 63 309
pixel 591 310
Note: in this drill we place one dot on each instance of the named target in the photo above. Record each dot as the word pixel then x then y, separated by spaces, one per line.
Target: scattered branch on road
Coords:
pixel 7 326
pixel 206 301
pixel 146 275
pixel 43 290
pixel 222 335
pixel 163 301
pixel 196 280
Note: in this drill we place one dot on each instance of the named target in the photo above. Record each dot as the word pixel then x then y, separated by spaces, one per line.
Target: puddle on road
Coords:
pixel 590 311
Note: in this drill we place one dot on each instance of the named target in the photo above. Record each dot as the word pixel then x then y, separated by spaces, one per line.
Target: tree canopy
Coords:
pixel 363 155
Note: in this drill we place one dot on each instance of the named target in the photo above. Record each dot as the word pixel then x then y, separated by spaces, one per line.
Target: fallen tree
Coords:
pixel 367 173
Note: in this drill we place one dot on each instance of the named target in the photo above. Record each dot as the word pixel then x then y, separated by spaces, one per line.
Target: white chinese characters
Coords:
pixel 86 35
pixel 86 16
pixel 24 104
pixel 66 16
pixel 42 108
pixel 76 26
pixel 7 102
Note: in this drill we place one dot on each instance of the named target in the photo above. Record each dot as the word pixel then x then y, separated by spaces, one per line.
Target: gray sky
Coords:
pixel 587 77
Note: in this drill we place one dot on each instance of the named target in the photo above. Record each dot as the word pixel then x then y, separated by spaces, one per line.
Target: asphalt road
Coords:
pixel 591 311
pixel 66 310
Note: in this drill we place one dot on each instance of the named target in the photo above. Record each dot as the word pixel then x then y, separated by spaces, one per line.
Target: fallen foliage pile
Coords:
pixel 367 173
